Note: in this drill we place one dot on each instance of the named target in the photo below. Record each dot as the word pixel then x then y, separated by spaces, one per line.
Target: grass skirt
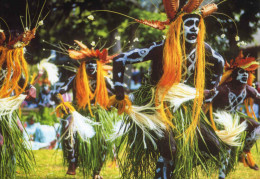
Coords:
pixel 14 151
pixel 140 154
pixel 92 154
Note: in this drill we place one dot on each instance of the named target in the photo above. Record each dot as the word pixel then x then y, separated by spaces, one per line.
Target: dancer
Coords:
pixel 14 88
pixel 182 59
pixel 235 89
pixel 92 89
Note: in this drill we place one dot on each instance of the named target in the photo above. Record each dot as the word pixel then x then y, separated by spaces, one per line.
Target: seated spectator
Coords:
pixel 40 136
pixel 135 84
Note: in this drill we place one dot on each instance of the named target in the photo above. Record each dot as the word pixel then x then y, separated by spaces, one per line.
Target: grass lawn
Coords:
pixel 49 165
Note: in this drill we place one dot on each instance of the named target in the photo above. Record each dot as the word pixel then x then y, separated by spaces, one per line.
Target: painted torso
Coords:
pixel 229 97
pixel 155 53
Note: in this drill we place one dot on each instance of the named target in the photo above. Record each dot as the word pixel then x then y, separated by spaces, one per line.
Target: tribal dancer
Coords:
pixel 179 63
pixel 92 90
pixel 13 83
pixel 235 89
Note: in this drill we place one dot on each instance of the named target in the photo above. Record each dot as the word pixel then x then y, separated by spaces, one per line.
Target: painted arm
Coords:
pixel 253 93
pixel 131 57
pixel 216 67
pixel 110 86
pixel 215 71
pixel 67 86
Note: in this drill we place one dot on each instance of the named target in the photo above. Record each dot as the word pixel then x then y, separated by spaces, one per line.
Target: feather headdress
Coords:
pixel 83 92
pixel 12 59
pixel 173 11
pixel 249 64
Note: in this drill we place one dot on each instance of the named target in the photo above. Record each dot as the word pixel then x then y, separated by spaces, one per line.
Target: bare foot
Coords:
pixel 98 177
pixel 71 169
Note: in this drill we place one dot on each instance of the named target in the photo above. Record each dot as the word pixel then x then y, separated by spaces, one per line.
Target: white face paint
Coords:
pixel 91 68
pixel 242 76
pixel 191 29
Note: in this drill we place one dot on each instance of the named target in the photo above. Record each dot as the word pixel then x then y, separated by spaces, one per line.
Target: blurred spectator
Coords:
pixel 135 84
pixel 39 136
pixel 45 97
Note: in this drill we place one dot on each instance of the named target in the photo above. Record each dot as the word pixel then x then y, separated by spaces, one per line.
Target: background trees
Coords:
pixel 68 20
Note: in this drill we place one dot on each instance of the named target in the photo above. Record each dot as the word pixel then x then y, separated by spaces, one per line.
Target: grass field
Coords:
pixel 49 165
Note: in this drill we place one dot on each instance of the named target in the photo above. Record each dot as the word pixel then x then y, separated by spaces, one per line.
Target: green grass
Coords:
pixel 49 165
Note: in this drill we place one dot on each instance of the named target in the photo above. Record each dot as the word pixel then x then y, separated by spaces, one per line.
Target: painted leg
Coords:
pixel 96 174
pixel 167 148
pixel 164 168
pixel 224 165
pixel 208 141
pixel 72 163
pixel 250 140
pixel 70 147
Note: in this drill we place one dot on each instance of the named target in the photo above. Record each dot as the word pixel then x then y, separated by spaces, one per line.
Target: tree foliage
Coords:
pixel 68 20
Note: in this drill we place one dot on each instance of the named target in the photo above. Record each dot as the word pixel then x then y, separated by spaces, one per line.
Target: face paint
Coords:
pixel 191 29
pixel 91 68
pixel 242 76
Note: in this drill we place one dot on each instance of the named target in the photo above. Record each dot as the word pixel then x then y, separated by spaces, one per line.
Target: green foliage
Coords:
pixel 246 16
pixel 68 20
pixel 147 34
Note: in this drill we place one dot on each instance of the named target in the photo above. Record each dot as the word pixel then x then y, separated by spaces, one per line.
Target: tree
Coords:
pixel 68 20
pixel 246 16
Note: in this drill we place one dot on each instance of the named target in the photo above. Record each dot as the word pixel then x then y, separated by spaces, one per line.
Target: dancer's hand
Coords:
pixel 31 93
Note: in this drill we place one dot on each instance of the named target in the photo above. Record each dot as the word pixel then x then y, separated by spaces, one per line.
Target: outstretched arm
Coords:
pixel 134 56
pixel 67 86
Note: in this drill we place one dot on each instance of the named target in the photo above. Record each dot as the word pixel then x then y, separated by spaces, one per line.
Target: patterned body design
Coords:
pixel 154 53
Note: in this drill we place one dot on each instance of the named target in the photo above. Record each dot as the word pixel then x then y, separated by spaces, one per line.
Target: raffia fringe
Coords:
pixel 232 129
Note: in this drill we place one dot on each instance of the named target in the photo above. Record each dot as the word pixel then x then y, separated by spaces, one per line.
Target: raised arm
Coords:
pixel 131 57
pixel 215 65
pixel 110 86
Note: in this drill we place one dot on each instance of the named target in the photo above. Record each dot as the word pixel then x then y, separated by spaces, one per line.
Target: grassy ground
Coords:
pixel 49 165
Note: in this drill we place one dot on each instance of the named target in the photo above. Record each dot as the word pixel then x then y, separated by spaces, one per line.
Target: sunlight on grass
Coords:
pixel 49 165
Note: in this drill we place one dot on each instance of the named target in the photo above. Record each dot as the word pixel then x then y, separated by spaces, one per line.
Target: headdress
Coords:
pixel 12 59
pixel 83 93
pixel 249 64
pixel 173 11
